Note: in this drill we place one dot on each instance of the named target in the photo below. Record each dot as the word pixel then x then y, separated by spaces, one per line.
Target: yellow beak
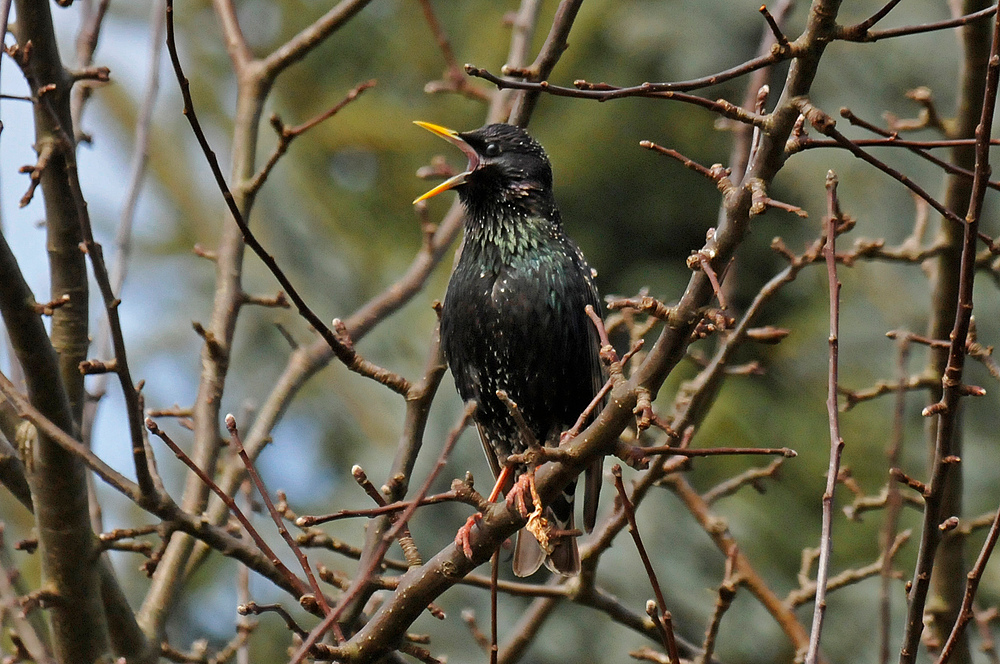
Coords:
pixel 452 137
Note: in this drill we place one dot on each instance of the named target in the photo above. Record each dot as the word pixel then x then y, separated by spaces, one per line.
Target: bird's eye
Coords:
pixel 492 150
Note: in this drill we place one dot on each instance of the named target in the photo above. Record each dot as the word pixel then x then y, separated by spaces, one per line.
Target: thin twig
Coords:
pixel 722 107
pixel 893 505
pixel 663 618
pixel 130 392
pixel 851 34
pixel 234 440
pixel 786 452
pixel 965 614
pixel 288 134
pixel 339 343
pixel 293 580
pixel 362 577
pixel 836 442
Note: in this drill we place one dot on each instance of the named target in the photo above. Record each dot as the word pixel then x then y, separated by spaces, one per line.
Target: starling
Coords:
pixel 514 320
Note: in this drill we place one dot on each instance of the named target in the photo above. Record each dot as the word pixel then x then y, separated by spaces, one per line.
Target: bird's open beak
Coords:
pixel 452 137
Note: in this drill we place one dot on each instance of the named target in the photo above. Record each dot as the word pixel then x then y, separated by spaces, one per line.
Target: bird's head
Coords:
pixel 507 167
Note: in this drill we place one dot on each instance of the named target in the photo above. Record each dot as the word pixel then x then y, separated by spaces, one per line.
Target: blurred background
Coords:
pixel 336 213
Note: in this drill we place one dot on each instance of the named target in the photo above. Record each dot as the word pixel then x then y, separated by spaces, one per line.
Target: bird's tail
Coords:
pixel 564 555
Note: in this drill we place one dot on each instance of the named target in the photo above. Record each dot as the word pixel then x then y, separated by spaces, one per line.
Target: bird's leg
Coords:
pixel 463 538
pixel 501 480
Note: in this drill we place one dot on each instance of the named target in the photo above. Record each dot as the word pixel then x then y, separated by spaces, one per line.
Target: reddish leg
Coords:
pixel 501 480
pixel 522 492
pixel 463 538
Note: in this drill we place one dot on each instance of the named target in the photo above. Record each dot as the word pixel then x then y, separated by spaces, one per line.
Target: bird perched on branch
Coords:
pixel 514 322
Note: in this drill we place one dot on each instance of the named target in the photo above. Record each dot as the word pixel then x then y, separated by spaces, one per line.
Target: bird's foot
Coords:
pixel 524 490
pixel 463 538
pixel 525 493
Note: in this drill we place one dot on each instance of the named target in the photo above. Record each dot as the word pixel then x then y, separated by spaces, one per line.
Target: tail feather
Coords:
pixel 564 558
pixel 528 554
pixel 593 477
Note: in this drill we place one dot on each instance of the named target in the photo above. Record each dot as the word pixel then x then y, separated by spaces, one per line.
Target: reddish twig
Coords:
pixel 385 508
pixel 966 614
pixel 772 24
pixel 234 440
pixel 253 608
pixel 852 33
pixel 287 134
pixel 717 173
pixel 662 619
pixel 827 126
pixel 362 578
pixel 291 579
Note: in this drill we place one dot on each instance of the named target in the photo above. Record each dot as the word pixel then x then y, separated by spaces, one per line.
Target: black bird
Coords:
pixel 514 319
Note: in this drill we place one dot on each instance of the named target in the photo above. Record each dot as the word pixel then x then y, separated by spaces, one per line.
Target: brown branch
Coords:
pixel 853 33
pixel 159 505
pixel 45 153
pixel 807 592
pixel 750 477
pixel 918 148
pixel 717 173
pixel 133 409
pixel 253 608
pixel 288 134
pixel 863 503
pixel 833 218
pixel 742 566
pixel 386 508
pixel 552 49
pixel 361 579
pixel 46 426
pixel 715 451
pixel 951 392
pixel 772 24
pixel 644 304
pixel 720 106
pixel 873 19
pixel 453 435
pixel 726 595
pixel 827 126
pixel 278 301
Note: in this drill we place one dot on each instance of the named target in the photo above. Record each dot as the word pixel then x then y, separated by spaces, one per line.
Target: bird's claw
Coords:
pixel 463 538
pixel 523 494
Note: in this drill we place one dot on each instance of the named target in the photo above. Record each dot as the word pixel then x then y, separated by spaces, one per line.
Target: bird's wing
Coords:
pixel 491 455
pixel 593 476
